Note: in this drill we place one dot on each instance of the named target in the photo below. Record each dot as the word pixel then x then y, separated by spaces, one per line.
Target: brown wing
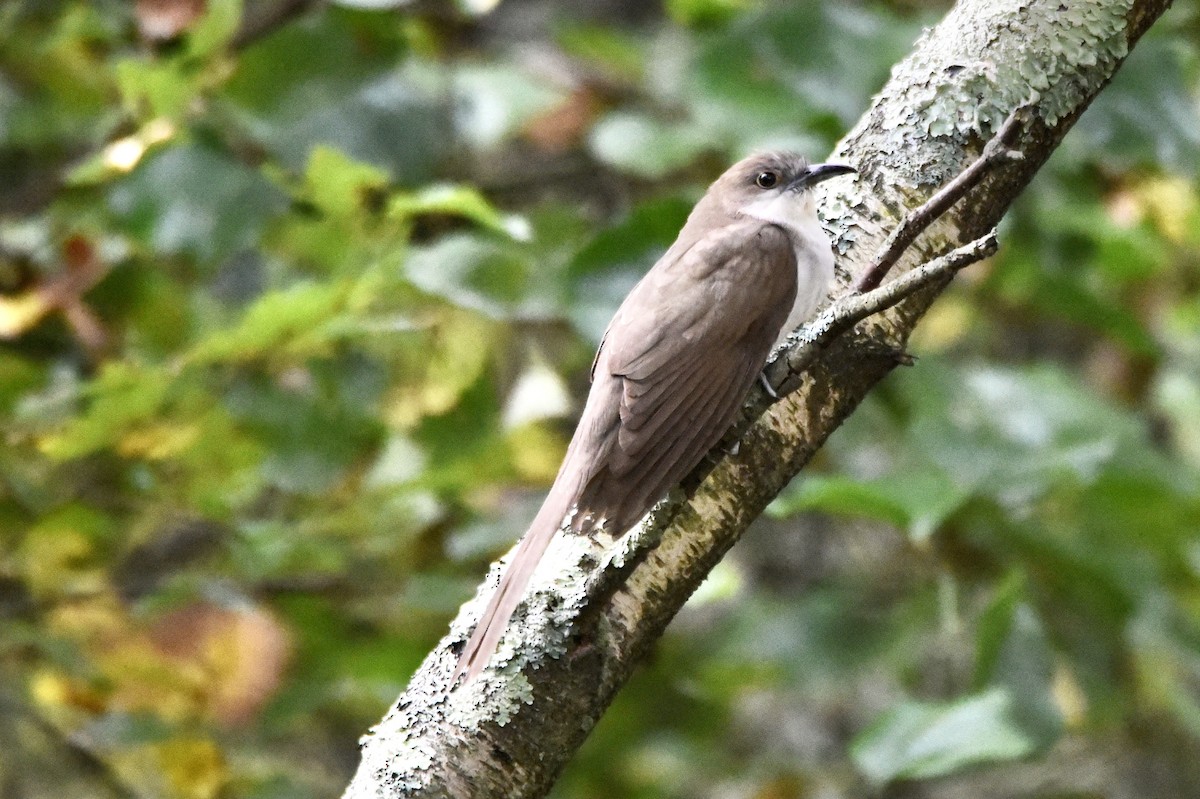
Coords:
pixel 677 360
pixel 671 370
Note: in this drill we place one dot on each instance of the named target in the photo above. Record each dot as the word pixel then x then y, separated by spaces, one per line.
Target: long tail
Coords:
pixel 594 437
pixel 499 610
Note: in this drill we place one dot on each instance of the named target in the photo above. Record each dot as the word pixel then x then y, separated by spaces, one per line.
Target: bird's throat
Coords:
pixel 796 213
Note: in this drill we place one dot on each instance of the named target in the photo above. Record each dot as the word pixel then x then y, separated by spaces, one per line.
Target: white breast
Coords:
pixel 814 257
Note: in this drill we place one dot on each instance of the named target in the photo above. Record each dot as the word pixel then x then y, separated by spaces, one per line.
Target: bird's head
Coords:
pixel 773 186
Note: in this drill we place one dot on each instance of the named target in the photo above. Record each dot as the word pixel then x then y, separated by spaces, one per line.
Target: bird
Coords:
pixel 675 363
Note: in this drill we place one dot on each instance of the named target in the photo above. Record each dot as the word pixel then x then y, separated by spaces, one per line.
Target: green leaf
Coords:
pixel 1165 643
pixel 1148 114
pixel 603 271
pixel 919 740
pixel 464 444
pixel 643 235
pixel 196 200
pixel 18 376
pixel 796 65
pixel 994 626
pixel 1012 716
pixel 839 495
pixel 123 395
pixel 464 201
pixel 1011 434
pixel 612 50
pixel 803 634
pixel 311 439
pixel 60 554
pixel 645 147
pixel 154 88
pixel 1066 298
pixel 332 79
pixel 495 101
pixel 1024 666
pixel 917 500
pixel 215 28
pixel 472 272
pixel 338 184
pixel 300 319
pixel 707 13
pixel 442 368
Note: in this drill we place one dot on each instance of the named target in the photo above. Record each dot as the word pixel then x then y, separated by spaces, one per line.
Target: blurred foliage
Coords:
pixel 297 301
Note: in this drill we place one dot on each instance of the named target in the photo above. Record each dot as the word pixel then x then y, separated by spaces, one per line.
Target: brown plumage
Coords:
pixel 677 360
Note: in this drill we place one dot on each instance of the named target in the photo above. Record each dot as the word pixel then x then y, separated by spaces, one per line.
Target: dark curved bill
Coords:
pixel 819 172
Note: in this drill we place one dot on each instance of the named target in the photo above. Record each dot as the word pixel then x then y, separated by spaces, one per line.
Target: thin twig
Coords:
pixel 998 150
pixel 255 27
pixel 845 313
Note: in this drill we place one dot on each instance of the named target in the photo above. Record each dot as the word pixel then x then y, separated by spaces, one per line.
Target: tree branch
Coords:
pixel 266 19
pixel 845 313
pixel 998 151
pixel 595 606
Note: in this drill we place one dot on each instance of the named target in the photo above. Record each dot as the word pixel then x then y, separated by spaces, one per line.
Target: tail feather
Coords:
pixel 486 637
pixel 594 436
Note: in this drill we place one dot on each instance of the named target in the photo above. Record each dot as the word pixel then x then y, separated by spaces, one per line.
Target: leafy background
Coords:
pixel 297 302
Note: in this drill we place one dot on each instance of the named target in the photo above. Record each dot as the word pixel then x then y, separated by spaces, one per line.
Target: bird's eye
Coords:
pixel 766 180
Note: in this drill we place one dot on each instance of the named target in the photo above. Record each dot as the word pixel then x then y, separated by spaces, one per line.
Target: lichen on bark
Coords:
pixel 985 59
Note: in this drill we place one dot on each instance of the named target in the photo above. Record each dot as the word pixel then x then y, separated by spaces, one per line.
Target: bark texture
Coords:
pixel 595 606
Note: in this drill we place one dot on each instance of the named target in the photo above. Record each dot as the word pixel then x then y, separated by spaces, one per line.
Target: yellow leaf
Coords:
pixel 194 767
pixel 1069 696
pixel 178 768
pixel 944 326
pixel 56 553
pixel 536 452
pixel 49 689
pixel 1173 205
pixel 122 396
pixel 145 680
pixel 20 313
pixel 200 660
pixel 456 354
pixel 97 620
pixel 158 441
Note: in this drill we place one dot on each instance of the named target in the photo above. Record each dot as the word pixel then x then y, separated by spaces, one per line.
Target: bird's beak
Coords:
pixel 817 173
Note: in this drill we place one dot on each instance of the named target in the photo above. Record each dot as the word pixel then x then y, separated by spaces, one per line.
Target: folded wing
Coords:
pixel 680 354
